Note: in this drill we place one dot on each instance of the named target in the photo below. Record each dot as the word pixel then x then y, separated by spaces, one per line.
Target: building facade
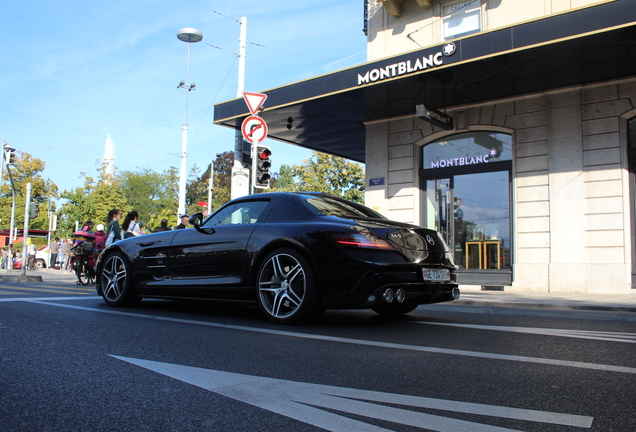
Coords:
pixel 507 125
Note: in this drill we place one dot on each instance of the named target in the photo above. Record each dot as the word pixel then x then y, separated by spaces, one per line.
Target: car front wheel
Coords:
pixel 286 289
pixel 115 281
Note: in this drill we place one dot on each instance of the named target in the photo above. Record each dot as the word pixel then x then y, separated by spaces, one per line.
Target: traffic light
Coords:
pixel 9 155
pixel 33 210
pixel 261 166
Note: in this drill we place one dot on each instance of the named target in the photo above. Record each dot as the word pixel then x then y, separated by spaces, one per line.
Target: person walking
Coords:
pixel 131 225
pixel 113 231
pixel 163 226
pixel 100 238
pixel 184 222
pixel 54 248
pixel 65 254
pixel 68 266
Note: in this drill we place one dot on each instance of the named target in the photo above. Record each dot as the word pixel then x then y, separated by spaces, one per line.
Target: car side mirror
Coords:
pixel 196 219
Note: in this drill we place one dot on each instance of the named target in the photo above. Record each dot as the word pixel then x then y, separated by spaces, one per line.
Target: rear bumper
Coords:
pixel 370 290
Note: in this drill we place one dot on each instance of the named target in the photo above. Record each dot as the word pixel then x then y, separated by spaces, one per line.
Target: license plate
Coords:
pixel 436 274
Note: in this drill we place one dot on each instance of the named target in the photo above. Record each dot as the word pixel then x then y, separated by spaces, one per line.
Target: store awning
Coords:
pixel 328 112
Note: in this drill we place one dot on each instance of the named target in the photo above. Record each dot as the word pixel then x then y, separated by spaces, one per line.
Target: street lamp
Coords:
pixel 189 35
pixel 211 185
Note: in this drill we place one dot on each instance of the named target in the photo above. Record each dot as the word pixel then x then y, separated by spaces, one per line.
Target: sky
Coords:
pixel 73 72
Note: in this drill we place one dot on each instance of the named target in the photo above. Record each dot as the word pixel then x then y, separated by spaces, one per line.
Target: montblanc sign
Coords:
pixel 408 66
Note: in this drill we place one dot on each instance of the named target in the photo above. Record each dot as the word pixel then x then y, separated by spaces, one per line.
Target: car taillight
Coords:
pixel 363 240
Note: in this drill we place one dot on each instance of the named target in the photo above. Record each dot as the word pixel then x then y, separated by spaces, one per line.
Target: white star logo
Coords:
pixel 449 49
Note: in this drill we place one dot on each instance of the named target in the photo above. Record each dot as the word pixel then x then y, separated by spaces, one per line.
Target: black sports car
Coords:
pixel 294 254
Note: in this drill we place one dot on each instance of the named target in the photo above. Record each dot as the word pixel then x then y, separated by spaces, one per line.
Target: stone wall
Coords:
pixel 571 216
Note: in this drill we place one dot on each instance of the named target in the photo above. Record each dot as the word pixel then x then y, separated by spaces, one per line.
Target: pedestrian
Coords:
pixel 5 258
pixel 163 226
pixel 68 266
pixel 54 248
pixel 85 235
pixel 65 254
pixel 184 222
pixel 113 231
pixel 131 225
pixel 100 238
pixel 30 262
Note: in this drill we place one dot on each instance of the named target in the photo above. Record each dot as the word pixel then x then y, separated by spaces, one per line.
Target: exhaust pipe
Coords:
pixel 455 293
pixel 388 295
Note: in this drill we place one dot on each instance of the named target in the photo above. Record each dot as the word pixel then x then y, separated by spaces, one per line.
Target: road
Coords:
pixel 71 363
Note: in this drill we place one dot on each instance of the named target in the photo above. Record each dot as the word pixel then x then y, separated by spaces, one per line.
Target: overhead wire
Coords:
pixel 86 132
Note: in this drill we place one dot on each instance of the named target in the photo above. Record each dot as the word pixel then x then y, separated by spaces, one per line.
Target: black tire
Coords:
pixel 80 271
pixel 40 263
pixel 115 281
pixel 394 310
pixel 286 288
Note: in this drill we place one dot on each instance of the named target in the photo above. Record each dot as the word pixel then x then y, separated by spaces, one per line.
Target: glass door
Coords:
pixel 472 211
pixel 438 199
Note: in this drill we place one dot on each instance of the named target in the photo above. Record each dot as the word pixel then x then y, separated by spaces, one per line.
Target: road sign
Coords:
pixel 254 129
pixel 254 101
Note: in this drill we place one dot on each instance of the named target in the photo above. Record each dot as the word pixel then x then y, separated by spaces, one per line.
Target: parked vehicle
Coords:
pixel 42 257
pixel 293 254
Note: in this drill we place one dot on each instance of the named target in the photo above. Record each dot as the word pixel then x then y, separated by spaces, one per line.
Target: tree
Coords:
pixel 324 173
pixel 26 169
pixel 151 194
pixel 284 180
pixel 91 202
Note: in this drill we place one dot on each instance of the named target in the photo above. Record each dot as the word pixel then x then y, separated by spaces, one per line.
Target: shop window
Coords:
pixel 460 19
pixel 467 183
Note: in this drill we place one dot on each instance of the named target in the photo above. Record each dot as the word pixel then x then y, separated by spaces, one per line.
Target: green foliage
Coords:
pixel 323 173
pixel 155 195
pixel 25 169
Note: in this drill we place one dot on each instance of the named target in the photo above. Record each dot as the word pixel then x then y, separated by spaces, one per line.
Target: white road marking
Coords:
pixel 416 348
pixel 303 402
pixel 581 334
pixel 45 299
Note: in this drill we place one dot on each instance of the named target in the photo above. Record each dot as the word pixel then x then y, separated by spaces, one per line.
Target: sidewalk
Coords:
pixel 601 302
pixel 40 275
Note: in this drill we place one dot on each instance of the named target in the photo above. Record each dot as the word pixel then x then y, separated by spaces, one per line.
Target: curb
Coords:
pixel 20 278
pixel 544 306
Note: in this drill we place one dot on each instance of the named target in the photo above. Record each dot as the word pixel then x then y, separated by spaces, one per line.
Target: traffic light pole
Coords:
pixel 25 230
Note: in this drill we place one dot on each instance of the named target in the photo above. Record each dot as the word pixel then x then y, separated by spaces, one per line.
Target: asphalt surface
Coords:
pixel 469 297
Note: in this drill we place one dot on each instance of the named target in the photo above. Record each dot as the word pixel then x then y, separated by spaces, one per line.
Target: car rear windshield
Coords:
pixel 332 207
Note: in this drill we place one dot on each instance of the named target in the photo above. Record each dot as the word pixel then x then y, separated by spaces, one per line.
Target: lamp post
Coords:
pixel 211 185
pixel 190 36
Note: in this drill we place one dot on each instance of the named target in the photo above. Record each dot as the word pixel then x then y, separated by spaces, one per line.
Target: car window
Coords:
pixel 237 214
pixel 332 207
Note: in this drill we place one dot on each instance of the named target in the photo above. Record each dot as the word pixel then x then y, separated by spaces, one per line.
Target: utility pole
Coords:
pixel 25 229
pixel 238 182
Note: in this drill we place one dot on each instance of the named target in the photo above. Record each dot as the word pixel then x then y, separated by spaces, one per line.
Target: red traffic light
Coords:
pixel 264 154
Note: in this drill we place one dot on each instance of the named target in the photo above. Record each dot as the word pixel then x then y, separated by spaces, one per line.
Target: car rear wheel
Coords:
pixel 286 288
pixel 40 263
pixel 115 281
pixel 394 310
